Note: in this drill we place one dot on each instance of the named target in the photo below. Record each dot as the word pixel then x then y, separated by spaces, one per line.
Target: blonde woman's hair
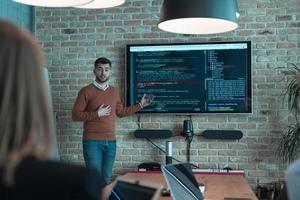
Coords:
pixel 25 118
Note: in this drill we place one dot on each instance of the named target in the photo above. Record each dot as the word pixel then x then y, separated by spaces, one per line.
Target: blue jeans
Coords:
pixel 100 154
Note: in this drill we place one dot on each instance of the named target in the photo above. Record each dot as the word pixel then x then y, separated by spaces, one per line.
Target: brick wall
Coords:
pixel 74 38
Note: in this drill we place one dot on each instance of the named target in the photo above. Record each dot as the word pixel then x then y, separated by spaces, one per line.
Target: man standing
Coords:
pixel 97 105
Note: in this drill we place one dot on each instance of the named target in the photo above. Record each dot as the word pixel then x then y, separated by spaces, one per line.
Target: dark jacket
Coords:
pixel 50 180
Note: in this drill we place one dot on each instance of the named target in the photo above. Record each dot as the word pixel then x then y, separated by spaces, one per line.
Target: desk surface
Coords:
pixel 217 187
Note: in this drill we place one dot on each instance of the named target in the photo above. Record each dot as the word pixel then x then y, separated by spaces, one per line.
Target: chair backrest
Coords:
pixel 182 182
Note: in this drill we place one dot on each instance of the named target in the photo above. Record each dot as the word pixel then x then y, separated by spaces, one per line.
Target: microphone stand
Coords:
pixel 188 146
pixel 188 133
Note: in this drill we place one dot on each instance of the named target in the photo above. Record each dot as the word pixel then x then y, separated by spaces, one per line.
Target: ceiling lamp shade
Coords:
pixel 102 4
pixel 198 16
pixel 54 3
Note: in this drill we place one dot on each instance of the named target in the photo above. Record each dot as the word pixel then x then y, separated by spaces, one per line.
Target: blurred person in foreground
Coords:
pixel 27 170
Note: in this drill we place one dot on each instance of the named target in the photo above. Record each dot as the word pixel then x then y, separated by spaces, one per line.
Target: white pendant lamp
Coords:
pixel 198 16
pixel 54 3
pixel 96 4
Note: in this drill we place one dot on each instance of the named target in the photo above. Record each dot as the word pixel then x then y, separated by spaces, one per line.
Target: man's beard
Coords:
pixel 100 81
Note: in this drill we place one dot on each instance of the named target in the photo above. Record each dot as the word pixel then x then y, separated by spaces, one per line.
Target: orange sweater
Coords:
pixel 85 109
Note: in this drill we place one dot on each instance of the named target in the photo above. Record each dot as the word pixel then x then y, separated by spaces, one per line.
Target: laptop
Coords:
pixel 132 189
pixel 182 182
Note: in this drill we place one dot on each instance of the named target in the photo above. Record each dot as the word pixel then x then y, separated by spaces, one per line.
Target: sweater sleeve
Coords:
pixel 78 112
pixel 122 111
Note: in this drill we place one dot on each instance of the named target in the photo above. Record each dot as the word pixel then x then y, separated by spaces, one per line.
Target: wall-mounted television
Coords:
pixel 212 77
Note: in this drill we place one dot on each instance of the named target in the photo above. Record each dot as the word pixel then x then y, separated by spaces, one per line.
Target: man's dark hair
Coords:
pixel 102 60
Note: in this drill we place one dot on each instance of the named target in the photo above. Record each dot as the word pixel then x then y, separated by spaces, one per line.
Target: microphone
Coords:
pixel 188 130
pixel 188 133
pixel 168 152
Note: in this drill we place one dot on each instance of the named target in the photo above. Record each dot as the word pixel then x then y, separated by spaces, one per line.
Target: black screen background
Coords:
pixel 195 81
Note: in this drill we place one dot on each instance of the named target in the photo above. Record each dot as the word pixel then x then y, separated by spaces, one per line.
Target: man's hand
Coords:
pixel 104 110
pixel 146 101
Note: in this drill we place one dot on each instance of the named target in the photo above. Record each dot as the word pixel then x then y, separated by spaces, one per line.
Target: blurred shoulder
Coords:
pixel 51 168
pixel 50 177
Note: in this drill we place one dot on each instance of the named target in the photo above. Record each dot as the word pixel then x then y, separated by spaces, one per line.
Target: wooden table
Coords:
pixel 217 187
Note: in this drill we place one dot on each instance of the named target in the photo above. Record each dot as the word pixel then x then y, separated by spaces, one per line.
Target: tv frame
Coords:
pixel 249 79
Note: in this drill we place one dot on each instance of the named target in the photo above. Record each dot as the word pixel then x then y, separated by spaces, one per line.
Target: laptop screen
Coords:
pixel 182 182
pixel 128 191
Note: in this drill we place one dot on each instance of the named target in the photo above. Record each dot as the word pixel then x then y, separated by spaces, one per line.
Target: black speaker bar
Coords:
pixel 208 134
pixel 152 133
pixel 223 134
